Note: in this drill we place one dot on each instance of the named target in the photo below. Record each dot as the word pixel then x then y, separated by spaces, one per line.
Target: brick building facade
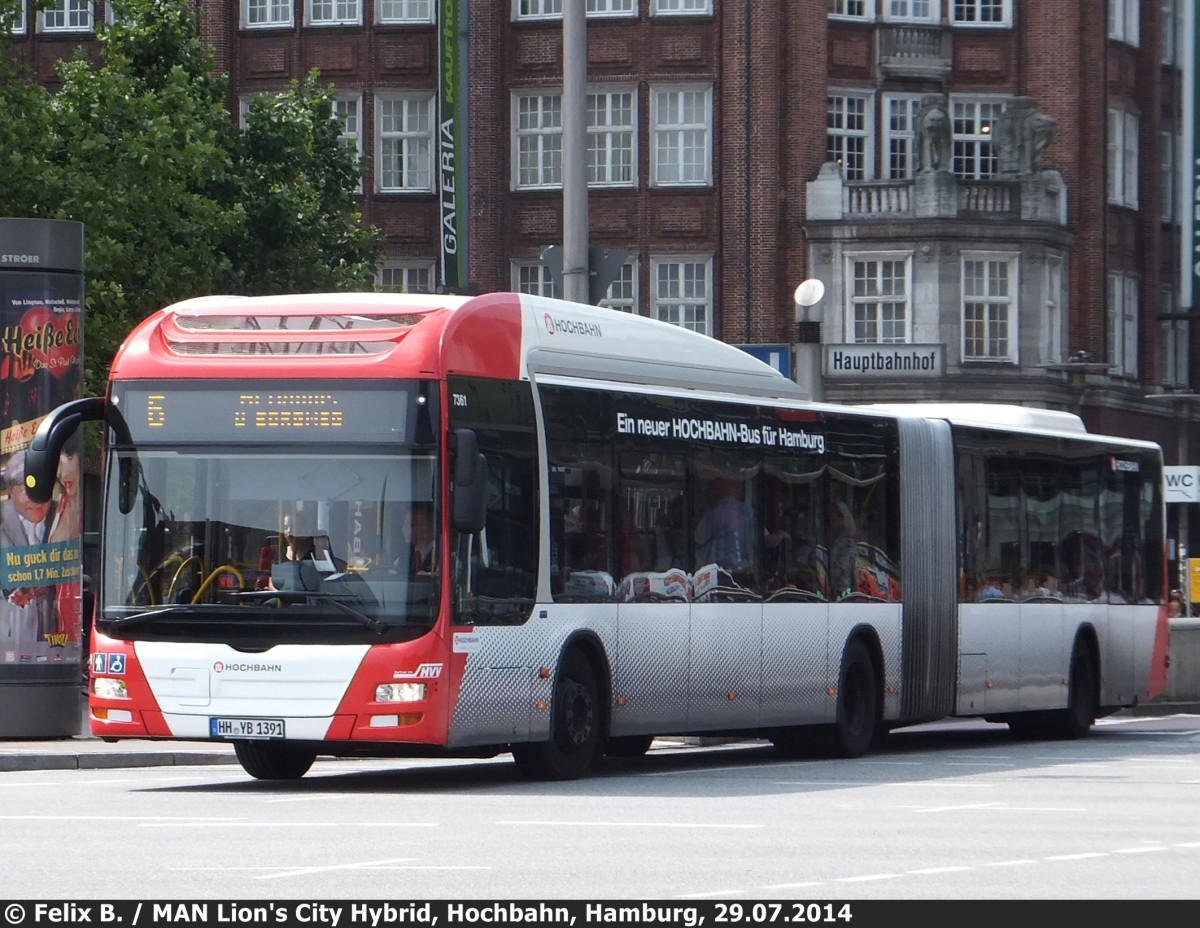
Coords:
pixel 988 189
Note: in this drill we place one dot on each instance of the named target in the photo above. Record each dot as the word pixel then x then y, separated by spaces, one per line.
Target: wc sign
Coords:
pixel 1181 484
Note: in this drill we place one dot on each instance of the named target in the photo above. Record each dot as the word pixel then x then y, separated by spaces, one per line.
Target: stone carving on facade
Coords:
pixel 933 124
pixel 1020 135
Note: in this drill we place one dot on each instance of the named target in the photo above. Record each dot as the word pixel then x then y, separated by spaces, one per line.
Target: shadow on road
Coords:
pixel 672 767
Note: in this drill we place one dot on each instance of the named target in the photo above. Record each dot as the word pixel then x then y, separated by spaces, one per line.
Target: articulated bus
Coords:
pixel 638 531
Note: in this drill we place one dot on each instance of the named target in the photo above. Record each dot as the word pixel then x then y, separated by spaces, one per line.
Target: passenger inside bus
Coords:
pixel 307 555
pixel 420 539
pixel 843 529
pixel 726 533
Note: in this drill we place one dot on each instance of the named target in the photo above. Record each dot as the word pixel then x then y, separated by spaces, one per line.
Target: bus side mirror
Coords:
pixel 469 499
pixel 41 457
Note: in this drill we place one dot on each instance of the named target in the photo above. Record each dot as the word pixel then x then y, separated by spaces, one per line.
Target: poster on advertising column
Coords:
pixel 41 366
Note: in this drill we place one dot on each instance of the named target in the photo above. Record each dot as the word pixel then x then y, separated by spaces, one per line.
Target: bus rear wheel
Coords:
pixel 574 726
pixel 857 725
pixel 1077 719
pixel 266 761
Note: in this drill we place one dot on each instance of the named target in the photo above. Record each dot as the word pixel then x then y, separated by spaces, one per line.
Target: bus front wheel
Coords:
pixel 266 761
pixel 574 726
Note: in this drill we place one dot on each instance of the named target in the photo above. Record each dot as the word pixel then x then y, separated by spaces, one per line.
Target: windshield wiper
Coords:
pixel 150 615
pixel 305 596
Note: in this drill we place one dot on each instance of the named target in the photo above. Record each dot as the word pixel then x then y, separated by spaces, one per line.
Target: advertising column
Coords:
pixel 41 588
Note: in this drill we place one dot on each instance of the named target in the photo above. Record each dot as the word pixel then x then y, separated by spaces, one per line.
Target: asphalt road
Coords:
pixel 955 810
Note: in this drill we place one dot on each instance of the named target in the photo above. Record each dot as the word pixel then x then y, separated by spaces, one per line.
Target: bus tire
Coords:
pixel 1077 719
pixel 574 726
pixel 266 761
pixel 857 724
pixel 628 745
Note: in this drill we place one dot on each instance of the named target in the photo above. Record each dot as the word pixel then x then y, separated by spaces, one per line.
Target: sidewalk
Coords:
pixel 83 752
pixel 87 753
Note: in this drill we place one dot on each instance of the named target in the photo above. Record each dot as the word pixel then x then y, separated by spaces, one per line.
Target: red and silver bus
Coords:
pixel 638 531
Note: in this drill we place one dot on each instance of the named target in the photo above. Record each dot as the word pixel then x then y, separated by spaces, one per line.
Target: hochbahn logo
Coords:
pixel 221 667
pixel 572 327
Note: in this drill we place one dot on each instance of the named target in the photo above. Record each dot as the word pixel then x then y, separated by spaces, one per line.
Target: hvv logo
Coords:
pixel 1181 483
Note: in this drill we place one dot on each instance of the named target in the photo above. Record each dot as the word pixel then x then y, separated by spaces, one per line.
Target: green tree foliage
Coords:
pixel 175 200
pixel 297 181
pixel 24 129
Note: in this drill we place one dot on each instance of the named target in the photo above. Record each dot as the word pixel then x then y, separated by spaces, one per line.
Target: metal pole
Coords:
pixel 574 163
pixel 1181 546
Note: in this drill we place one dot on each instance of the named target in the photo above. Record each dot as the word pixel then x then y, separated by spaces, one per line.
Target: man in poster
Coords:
pixel 27 610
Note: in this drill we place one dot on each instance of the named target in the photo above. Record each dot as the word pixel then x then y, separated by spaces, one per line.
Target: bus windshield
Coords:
pixel 232 538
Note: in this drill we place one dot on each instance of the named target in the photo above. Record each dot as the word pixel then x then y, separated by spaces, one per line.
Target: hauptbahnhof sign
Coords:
pixel 884 361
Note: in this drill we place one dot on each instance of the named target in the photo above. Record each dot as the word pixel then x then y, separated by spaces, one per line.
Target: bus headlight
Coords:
pixel 400 692
pixel 109 688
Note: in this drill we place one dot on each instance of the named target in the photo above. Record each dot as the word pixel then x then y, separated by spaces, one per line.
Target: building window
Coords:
pixel 900 135
pixel 1055 317
pixel 989 320
pixel 622 292
pixel 245 105
pixel 67 16
pixel 681 292
pixel 1170 185
pixel 1174 343
pixel 1123 25
pixel 852 9
pixel 533 277
pixel 538 9
pixel 333 12
pixel 972 154
pixel 610 134
pixel 1123 324
pixel 537 121
pixel 407 276
pixel 266 13
pixel 405 11
pixel 680 7
pixel 981 12
pixel 681 121
pixel 347 110
pixel 537 141
pixel 552 9
pixel 912 11
pixel 847 133
pixel 404 126
pixel 16 18
pixel 1172 31
pixel 879 299
pixel 611 7
pixel 1122 158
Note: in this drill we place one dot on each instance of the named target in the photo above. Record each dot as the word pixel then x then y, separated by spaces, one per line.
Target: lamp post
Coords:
pixel 808 337
pixel 1184 406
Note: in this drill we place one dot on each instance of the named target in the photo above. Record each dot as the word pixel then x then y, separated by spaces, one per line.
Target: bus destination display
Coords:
pixel 206 414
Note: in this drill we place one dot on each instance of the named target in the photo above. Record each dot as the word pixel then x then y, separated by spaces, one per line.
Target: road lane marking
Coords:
pixel 578 824
pixel 256 824
pixel 90 817
pixel 397 863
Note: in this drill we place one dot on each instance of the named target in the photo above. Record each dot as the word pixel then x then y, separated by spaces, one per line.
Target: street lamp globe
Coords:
pixel 809 292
